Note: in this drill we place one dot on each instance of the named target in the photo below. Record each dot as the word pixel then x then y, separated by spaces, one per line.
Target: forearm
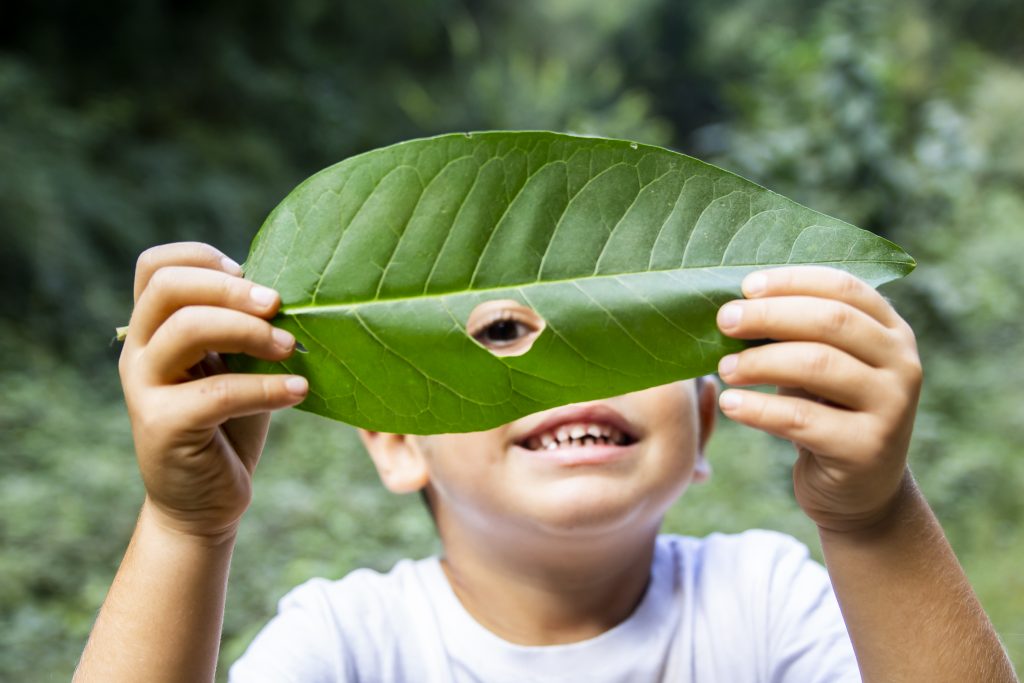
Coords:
pixel 161 620
pixel 910 611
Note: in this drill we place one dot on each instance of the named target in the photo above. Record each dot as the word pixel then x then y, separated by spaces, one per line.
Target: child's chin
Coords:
pixel 595 510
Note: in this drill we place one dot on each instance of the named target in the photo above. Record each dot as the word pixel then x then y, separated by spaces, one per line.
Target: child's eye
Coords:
pixel 502 333
pixel 505 328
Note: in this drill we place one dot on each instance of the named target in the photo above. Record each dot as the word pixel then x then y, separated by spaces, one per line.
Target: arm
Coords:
pixel 910 611
pixel 198 436
pixel 849 377
pixel 162 618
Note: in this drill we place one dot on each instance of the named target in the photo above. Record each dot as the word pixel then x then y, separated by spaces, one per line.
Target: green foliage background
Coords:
pixel 126 124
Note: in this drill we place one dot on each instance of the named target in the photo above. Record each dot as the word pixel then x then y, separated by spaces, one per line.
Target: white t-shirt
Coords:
pixel 722 609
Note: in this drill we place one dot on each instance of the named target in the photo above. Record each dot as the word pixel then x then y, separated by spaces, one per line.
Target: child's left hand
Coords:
pixel 849 377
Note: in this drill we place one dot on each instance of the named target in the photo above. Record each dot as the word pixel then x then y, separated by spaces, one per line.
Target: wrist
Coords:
pixel 882 522
pixel 176 532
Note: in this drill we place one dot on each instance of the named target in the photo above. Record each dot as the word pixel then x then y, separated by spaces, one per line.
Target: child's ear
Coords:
pixel 399 460
pixel 707 412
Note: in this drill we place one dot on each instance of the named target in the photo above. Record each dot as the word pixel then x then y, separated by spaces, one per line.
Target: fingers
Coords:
pixel 188 335
pixel 848 375
pixel 210 401
pixel 808 423
pixel 172 287
pixel 809 319
pixel 816 368
pixel 191 305
pixel 821 281
pixel 193 254
pixel 827 306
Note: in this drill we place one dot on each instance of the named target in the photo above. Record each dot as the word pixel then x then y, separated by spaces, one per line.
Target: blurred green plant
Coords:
pixel 126 124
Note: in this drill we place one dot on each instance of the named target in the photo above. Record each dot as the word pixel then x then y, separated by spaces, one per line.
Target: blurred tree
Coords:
pixel 884 116
pixel 126 124
pixel 131 124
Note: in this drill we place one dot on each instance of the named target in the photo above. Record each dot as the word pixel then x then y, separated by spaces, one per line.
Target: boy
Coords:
pixel 552 567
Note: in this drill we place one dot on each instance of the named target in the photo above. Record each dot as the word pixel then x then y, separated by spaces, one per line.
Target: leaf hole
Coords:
pixel 504 327
pixel 300 347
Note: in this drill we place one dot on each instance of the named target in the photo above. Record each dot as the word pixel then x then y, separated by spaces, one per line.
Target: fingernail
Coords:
pixel 296 385
pixel 754 284
pixel 730 400
pixel 230 266
pixel 283 339
pixel 728 364
pixel 729 315
pixel 262 295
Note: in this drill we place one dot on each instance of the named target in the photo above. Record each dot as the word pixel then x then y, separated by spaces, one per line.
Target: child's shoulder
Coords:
pixel 752 565
pixel 326 628
pixel 370 589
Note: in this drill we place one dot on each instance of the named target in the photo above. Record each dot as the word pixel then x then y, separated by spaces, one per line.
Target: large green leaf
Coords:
pixel 625 250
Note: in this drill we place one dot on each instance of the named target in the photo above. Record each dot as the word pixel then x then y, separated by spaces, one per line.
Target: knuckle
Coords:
pixel 759 411
pixel 218 391
pixel 204 251
pixel 197 253
pixel 228 290
pixel 266 334
pixel 850 287
pixel 908 333
pixel 908 360
pixel 162 279
pixel 187 322
pixel 836 319
pixel 252 331
pixel 913 369
pixel 747 364
pixel 799 416
pixel 270 389
pixel 756 314
pixel 817 361
pixel 169 283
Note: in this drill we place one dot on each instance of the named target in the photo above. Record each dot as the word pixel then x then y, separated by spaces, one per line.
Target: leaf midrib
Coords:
pixel 296 310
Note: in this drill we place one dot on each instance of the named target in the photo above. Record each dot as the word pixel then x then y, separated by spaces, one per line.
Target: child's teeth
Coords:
pixel 576 436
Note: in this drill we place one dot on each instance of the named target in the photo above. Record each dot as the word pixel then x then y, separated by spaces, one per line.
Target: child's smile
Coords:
pixel 579 469
pixel 588 434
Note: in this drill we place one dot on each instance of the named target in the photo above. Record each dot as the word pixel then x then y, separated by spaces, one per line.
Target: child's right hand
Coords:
pixel 198 430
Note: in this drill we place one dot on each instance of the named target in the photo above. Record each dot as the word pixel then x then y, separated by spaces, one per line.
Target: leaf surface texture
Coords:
pixel 625 250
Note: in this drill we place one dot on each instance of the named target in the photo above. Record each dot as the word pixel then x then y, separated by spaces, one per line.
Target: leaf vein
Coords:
pixel 451 229
pixel 344 231
pixel 611 316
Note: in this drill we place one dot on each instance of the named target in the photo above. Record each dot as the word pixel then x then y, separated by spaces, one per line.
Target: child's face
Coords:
pixel 632 455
